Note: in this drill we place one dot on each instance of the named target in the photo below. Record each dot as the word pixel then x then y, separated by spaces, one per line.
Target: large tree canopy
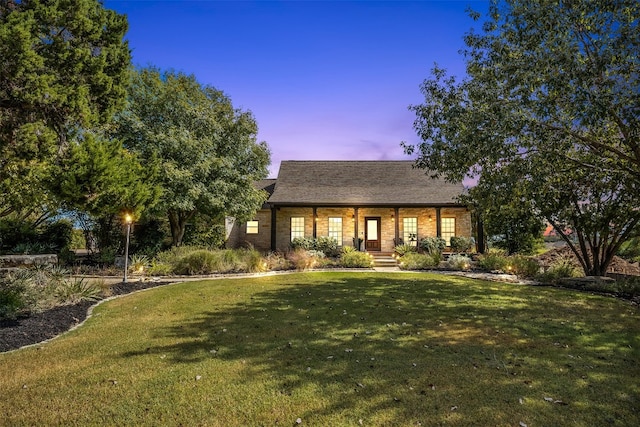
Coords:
pixel 551 102
pixel 207 150
pixel 102 179
pixel 63 66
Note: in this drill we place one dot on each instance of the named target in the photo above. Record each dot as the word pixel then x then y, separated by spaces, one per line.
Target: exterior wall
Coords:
pixel 348 223
pixel 238 236
pixel 387 225
pixel 283 225
pixel 427 225
pixel 426 217
pixel 463 220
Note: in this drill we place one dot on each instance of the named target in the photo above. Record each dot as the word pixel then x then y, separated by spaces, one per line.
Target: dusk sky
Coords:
pixel 324 80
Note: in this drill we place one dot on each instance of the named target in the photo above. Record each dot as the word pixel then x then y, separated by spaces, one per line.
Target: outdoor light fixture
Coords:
pixel 393 218
pixel 128 219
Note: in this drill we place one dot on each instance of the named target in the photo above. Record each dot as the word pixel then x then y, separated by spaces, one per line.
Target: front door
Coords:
pixel 372 234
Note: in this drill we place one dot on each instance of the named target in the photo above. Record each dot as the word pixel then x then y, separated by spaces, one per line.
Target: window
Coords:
pixel 297 227
pixel 410 231
pixel 335 229
pixel 448 229
pixel 252 227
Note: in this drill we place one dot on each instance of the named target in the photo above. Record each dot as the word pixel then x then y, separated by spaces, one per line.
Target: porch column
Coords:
pixel 273 228
pixel 397 225
pixel 315 222
pixel 480 231
pixel 355 229
pixel 438 223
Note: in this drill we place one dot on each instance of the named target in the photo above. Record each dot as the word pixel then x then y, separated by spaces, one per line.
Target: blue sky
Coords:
pixel 324 80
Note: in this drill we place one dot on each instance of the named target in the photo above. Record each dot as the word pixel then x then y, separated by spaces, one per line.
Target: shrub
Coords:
pixel 416 261
pixel 75 290
pixel 301 259
pixel 355 259
pixel 348 249
pixel 14 231
pixel 57 235
pixel 461 244
pixel 159 268
pixel 32 248
pixel 561 268
pixel 252 260
pixel 138 264
pixel 327 245
pixel 629 286
pixel 323 244
pixel 524 266
pixel 197 262
pixel 404 249
pixel 494 260
pixel 13 298
pixel 459 262
pixel 302 243
pixel 316 254
pixel 276 261
pixel 433 245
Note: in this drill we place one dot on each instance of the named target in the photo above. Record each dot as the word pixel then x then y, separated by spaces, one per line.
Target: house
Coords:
pixel 383 203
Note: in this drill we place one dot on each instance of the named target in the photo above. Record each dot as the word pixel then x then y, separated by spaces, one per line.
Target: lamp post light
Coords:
pixel 128 220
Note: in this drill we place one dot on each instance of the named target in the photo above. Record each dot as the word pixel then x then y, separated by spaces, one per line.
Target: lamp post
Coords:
pixel 128 220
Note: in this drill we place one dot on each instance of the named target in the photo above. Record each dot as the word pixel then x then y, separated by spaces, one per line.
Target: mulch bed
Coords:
pixel 48 324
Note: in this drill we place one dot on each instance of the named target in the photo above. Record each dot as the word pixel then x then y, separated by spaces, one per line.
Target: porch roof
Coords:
pixel 360 183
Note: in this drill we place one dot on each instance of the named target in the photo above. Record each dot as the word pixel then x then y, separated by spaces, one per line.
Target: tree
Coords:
pixel 98 177
pixel 509 218
pixel 550 102
pixel 207 150
pixel 63 67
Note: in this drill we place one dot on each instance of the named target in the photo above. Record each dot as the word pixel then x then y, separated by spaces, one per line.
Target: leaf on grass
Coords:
pixel 521 400
pixel 522 424
pixel 198 377
pixel 298 420
pixel 454 408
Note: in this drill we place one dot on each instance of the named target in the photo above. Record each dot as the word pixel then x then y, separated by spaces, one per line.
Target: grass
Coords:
pixel 336 349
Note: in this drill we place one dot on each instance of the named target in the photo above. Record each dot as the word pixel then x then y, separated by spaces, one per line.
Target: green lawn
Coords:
pixel 336 349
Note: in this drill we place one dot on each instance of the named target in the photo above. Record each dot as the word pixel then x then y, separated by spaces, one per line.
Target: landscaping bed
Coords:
pixel 42 326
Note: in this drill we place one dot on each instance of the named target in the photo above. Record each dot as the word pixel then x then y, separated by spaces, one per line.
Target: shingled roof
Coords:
pixel 360 183
pixel 267 185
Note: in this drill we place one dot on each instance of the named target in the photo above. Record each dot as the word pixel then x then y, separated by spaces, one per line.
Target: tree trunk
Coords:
pixel 178 223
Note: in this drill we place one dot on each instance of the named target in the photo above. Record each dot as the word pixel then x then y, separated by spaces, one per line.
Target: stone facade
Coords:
pixel 237 236
pixel 426 225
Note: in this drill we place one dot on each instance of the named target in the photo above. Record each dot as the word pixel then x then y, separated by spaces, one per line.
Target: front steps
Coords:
pixel 383 260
